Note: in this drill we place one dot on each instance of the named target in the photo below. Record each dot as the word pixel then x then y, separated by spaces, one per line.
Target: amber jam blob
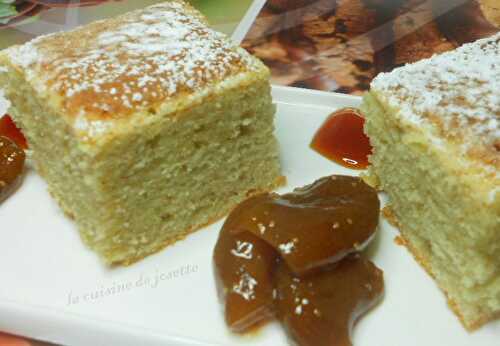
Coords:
pixel 9 129
pixel 342 140
pixel 321 310
pixel 11 166
pixel 296 257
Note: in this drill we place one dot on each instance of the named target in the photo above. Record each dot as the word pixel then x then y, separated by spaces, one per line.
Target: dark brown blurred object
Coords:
pixel 320 46
pixel 464 23
pixel 287 5
pixel 383 37
pixel 341 45
pixel 348 59
pixel 416 33
pixel 265 25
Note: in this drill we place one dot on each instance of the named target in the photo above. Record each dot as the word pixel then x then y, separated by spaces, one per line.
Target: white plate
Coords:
pixel 43 263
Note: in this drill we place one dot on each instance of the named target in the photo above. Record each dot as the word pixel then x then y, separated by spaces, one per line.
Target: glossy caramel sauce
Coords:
pixel 314 225
pixel 320 310
pixel 8 129
pixel 245 266
pixel 342 140
pixel 11 166
pixel 270 245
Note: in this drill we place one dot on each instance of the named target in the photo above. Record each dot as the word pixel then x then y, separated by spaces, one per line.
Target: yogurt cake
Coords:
pixel 146 126
pixel 435 129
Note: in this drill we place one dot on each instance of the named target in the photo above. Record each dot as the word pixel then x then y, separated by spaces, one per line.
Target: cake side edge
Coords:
pixel 470 320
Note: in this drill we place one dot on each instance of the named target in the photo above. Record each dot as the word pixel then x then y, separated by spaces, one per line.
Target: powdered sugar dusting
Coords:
pixel 287 248
pixel 112 68
pixel 243 250
pixel 91 127
pixel 26 55
pixel 246 287
pixel 492 195
pixel 458 92
pixel 4 103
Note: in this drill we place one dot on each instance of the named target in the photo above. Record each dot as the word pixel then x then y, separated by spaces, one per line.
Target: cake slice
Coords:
pixel 435 129
pixel 146 126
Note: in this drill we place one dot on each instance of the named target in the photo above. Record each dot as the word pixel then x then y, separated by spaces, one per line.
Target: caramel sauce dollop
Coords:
pixel 297 257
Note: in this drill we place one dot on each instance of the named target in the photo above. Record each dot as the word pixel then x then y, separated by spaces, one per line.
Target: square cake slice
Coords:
pixel 435 129
pixel 146 126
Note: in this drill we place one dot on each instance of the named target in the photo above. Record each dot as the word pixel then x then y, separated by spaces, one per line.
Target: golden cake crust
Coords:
pixel 455 96
pixel 116 67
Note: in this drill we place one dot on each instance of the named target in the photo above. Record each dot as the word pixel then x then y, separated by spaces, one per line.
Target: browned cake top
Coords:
pixel 457 93
pixel 112 68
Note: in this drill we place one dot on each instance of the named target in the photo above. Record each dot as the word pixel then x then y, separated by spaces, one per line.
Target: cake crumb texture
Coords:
pixel 146 127
pixel 434 126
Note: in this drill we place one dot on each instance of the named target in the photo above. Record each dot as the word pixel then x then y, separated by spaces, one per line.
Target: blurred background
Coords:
pixel 341 45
